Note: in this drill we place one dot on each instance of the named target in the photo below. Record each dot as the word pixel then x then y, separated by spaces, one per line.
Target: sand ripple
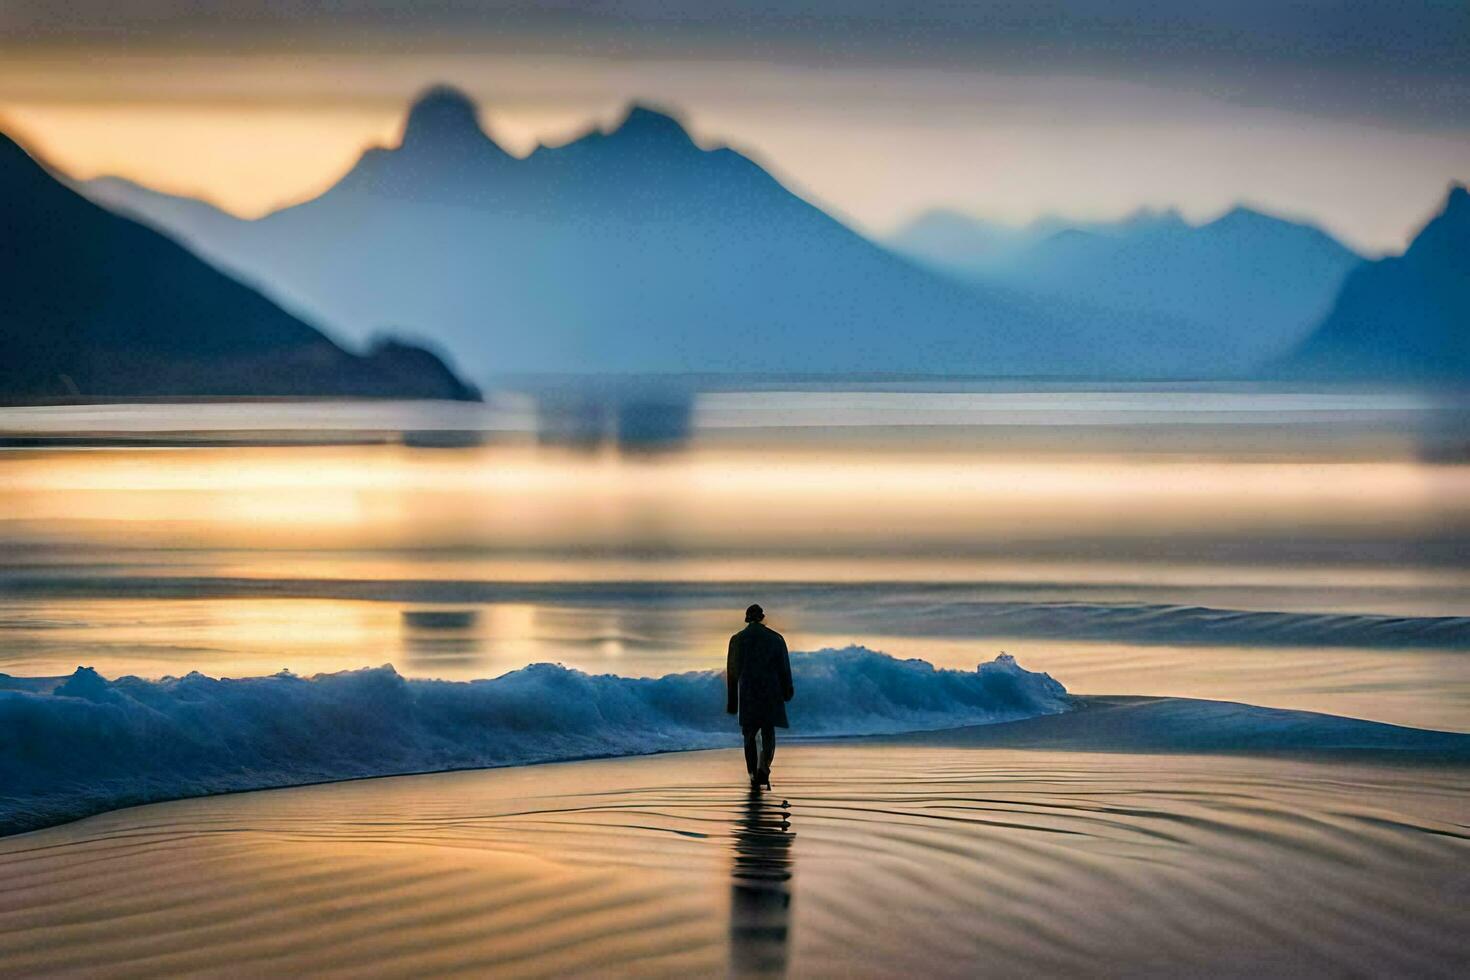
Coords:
pixel 886 859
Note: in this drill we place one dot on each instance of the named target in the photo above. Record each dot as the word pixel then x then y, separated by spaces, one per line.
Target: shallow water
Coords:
pixel 1297 549
pixel 1301 550
pixel 1426 687
pixel 889 860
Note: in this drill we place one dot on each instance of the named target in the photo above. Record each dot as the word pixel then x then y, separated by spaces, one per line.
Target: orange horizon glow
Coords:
pixel 373 497
pixel 247 160
pixel 251 133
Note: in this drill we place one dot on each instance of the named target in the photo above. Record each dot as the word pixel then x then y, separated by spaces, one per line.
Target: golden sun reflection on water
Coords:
pixel 466 563
pixel 237 637
pixel 531 499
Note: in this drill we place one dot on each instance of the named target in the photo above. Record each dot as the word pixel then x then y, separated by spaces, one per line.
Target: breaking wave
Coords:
pixel 92 744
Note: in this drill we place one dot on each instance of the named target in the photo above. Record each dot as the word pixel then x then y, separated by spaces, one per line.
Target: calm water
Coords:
pixel 1285 548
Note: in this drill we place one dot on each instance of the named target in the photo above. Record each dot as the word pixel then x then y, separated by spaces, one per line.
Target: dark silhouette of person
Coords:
pixel 758 685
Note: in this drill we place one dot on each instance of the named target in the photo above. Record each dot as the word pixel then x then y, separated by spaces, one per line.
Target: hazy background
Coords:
pixel 1352 114
pixel 698 390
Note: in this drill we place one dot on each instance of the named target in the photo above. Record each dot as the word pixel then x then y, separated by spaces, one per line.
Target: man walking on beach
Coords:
pixel 758 685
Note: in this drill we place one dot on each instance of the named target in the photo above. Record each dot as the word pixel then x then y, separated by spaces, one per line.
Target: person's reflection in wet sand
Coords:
pixel 760 888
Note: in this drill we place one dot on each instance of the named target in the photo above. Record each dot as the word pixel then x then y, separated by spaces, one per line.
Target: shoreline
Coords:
pixel 1096 724
pixel 871 857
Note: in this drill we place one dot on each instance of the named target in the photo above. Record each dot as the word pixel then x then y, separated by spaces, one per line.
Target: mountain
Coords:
pixel 96 305
pixel 152 207
pixel 972 247
pixel 1241 289
pixel 959 243
pixel 1401 318
pixel 631 249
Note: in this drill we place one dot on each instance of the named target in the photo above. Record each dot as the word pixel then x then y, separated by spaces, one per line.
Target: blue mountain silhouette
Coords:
pixel 1239 290
pixel 1404 317
pixel 632 249
pixel 96 305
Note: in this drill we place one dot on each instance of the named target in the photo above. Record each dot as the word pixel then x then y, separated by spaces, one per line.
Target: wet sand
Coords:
pixel 933 855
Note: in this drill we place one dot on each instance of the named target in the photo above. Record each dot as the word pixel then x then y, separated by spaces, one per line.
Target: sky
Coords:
pixel 1352 114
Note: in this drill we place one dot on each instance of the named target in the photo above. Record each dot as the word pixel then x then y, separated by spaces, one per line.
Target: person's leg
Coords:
pixel 750 760
pixel 768 747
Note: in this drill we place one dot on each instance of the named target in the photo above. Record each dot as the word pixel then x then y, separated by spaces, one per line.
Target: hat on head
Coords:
pixel 754 613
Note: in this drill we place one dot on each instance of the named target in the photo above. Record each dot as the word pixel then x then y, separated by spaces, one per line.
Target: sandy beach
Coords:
pixel 447 448
pixel 950 854
pixel 1177 689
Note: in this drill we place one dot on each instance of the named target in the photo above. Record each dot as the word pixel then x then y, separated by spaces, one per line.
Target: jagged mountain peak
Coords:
pixel 1457 203
pixel 1402 316
pixel 644 135
pixel 648 123
pixel 642 127
pixel 1152 219
pixel 1245 223
pixel 82 314
pixel 1449 229
pixel 444 150
pixel 1243 216
pixel 442 113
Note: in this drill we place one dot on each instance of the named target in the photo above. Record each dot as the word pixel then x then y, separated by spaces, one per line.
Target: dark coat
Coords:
pixel 758 677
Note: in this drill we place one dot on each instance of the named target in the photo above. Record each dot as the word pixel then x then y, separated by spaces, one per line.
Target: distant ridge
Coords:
pixel 1401 318
pixel 1237 291
pixel 634 249
pixel 94 305
pixel 443 117
pixel 443 153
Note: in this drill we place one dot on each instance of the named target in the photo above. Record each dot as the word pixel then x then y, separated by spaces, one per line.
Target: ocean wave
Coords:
pixel 1124 723
pixel 93 744
pixel 915 609
pixel 1197 625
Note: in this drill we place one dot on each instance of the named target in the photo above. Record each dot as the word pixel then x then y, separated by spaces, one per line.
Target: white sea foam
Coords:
pixel 93 744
